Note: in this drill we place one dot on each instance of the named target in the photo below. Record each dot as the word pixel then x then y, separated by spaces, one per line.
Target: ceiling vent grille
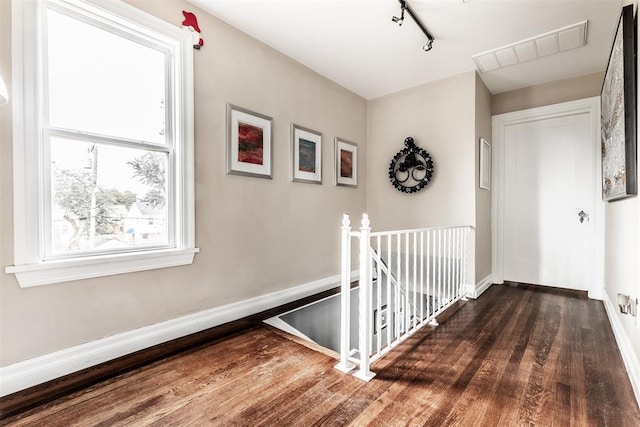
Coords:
pixel 560 40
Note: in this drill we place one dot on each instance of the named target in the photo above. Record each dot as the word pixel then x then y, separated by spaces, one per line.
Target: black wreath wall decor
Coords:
pixel 411 168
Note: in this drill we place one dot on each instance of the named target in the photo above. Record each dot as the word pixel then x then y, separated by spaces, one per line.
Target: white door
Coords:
pixel 548 185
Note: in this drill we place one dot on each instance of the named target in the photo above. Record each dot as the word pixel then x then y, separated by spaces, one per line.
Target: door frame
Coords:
pixel 591 106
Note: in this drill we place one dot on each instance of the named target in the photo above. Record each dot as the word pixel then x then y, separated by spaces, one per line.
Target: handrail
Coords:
pixel 425 271
pixel 414 230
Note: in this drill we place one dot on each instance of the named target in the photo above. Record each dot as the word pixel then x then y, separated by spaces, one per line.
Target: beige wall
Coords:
pixel 255 236
pixel 548 93
pixel 483 197
pixel 439 116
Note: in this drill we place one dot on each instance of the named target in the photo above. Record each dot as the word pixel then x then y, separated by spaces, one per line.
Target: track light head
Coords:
pixel 400 20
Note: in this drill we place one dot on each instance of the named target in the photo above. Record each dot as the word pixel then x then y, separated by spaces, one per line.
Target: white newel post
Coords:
pixel 345 297
pixel 365 303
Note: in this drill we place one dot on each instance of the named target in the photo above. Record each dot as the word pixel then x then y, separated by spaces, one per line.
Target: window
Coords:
pixel 103 141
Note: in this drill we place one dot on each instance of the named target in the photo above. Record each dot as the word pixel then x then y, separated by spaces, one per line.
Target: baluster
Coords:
pixel 421 277
pixel 449 256
pixel 452 261
pixel 439 251
pixel 406 307
pixel 397 317
pixel 389 302
pixel 379 297
pixel 440 270
pixel 415 279
pixel 437 275
pixel 445 265
pixel 457 264
pixel 464 260
pixel 463 291
pixel 429 280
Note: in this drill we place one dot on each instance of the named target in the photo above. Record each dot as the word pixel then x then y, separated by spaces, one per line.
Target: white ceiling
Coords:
pixel 355 43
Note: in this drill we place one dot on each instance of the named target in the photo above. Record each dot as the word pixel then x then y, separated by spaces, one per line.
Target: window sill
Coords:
pixel 49 272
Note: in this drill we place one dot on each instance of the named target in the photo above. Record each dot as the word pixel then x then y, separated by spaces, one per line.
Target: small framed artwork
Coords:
pixel 618 114
pixel 306 155
pixel 346 163
pixel 249 137
pixel 485 164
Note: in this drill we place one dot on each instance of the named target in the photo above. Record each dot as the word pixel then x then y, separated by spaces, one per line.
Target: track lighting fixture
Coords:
pixel 404 5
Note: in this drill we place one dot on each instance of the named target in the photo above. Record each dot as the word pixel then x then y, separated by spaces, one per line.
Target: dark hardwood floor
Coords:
pixel 516 356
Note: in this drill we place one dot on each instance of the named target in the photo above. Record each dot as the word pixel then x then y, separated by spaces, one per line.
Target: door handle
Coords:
pixel 582 215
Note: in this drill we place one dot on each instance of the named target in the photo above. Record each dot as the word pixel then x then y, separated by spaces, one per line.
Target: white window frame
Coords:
pixel 30 265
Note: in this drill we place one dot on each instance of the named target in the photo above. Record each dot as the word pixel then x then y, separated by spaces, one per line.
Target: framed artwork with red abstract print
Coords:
pixel 249 145
pixel 346 163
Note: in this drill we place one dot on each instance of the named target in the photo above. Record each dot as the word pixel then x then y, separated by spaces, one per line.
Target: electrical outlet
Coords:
pixel 628 305
pixel 624 303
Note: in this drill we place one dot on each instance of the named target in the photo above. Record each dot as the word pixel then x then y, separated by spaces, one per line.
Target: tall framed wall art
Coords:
pixel 618 114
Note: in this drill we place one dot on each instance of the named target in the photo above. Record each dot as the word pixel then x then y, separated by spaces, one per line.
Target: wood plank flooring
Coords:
pixel 513 357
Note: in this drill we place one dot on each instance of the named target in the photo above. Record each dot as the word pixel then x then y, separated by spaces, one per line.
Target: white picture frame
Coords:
pixel 346 163
pixel 485 164
pixel 249 137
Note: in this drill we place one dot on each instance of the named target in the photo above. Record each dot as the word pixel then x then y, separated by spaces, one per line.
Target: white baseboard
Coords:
pixel 631 362
pixel 38 370
pixel 477 290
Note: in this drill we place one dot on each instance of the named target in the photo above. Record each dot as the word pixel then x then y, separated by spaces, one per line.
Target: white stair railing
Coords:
pixel 407 278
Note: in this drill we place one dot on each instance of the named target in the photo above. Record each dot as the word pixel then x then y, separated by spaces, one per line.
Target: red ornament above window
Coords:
pixel 191 23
